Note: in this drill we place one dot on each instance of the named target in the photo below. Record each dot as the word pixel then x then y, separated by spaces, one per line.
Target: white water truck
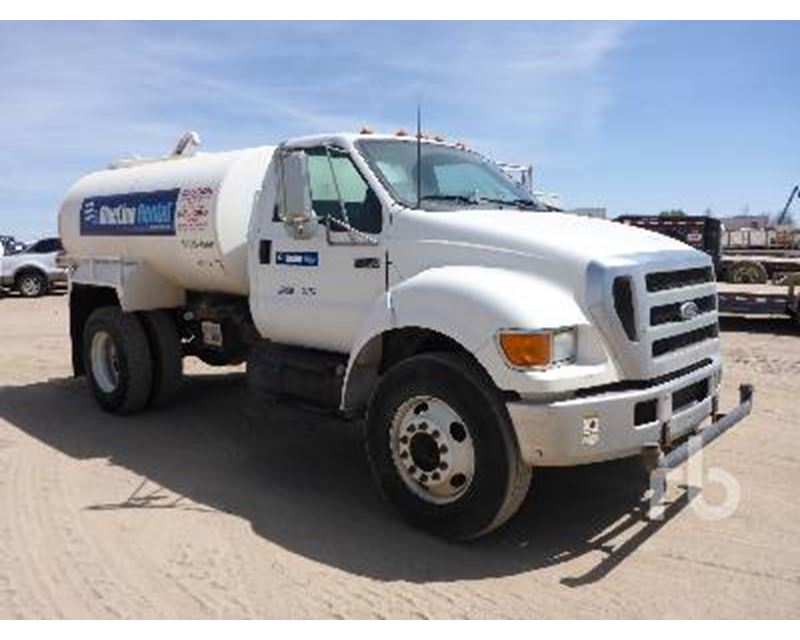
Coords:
pixel 408 283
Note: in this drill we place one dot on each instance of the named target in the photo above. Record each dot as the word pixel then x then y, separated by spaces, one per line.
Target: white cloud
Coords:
pixel 78 95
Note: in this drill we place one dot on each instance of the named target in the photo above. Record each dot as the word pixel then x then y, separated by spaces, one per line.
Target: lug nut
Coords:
pixel 443 466
pixel 458 432
pixel 404 454
pixel 423 477
pixel 403 439
pixel 423 426
pixel 458 480
pixel 436 435
pixel 435 475
pixel 443 449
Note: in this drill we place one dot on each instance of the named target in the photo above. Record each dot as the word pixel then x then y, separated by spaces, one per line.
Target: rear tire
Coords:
pixel 118 360
pixel 31 284
pixel 747 272
pixel 442 447
pixel 165 347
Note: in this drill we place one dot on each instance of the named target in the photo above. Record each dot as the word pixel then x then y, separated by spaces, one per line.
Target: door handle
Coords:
pixel 265 252
pixel 367 263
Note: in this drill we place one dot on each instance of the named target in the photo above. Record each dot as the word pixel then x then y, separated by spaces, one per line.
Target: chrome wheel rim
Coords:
pixel 432 449
pixel 29 286
pixel 105 361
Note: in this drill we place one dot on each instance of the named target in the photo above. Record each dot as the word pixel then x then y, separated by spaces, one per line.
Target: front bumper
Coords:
pixel 616 424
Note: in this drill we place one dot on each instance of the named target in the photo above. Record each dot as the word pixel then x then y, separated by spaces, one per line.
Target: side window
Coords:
pixel 325 175
pixel 51 245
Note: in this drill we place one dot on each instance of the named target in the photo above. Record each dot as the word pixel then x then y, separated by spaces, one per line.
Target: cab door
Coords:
pixel 315 289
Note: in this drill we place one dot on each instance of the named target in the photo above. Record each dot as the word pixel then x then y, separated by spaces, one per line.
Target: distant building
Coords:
pixel 734 223
pixel 591 212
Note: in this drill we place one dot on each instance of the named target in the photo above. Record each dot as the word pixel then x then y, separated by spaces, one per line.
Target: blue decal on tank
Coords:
pixel 148 213
pixel 297 258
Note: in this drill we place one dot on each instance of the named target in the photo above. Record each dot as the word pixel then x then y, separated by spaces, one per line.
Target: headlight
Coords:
pixel 565 345
pixel 539 349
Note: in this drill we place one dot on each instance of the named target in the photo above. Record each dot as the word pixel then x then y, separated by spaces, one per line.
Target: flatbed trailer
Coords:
pixel 750 299
pixel 757 266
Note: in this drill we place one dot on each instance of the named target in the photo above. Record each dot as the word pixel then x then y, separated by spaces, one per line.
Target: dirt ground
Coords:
pixel 176 513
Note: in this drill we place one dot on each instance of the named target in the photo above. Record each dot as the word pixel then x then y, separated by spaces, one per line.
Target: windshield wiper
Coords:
pixel 516 202
pixel 452 197
pixel 448 197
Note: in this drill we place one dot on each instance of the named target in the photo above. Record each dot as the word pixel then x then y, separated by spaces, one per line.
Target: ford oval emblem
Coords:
pixel 689 310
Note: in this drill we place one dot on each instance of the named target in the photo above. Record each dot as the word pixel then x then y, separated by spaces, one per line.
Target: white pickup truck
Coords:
pixel 33 270
pixel 409 283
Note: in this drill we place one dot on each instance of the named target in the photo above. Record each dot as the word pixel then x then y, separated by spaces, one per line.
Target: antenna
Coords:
pixel 419 157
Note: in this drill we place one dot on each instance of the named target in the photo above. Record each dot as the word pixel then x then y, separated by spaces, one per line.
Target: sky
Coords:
pixel 635 117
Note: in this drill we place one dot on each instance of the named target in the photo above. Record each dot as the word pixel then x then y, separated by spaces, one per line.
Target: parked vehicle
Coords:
pixel 407 282
pixel 34 270
pixel 764 300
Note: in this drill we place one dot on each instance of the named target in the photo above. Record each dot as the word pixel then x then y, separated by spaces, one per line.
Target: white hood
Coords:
pixel 555 246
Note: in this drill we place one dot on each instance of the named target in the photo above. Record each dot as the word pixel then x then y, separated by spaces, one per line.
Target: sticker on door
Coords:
pixel 297 258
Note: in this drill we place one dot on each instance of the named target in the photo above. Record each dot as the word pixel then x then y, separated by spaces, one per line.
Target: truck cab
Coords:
pixel 409 283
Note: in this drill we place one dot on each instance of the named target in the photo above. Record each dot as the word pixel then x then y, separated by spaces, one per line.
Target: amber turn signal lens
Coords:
pixel 526 349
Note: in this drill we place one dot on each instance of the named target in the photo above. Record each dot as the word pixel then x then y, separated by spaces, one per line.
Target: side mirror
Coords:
pixel 295 200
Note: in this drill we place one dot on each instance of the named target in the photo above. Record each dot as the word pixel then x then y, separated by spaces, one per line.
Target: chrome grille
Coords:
pixel 662 314
pixel 681 340
pixel 666 280
pixel 671 320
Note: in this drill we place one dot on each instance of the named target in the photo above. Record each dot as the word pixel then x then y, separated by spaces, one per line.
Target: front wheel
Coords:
pixel 442 447
pixel 31 284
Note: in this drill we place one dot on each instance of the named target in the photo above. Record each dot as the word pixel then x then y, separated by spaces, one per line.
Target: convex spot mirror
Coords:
pixel 296 212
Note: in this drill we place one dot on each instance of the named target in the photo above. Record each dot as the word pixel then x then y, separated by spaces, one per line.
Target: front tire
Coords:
pixel 118 360
pixel 442 447
pixel 31 284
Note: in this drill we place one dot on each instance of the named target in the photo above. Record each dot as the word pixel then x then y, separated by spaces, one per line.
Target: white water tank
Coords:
pixel 184 217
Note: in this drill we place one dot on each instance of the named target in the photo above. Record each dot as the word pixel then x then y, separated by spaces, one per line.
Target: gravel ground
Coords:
pixel 180 513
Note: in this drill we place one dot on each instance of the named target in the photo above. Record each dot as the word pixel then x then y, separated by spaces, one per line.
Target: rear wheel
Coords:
pixel 31 284
pixel 747 272
pixel 118 360
pixel 442 447
pixel 165 346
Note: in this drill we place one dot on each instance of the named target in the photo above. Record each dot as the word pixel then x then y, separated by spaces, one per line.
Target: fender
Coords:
pixel 470 304
pixel 138 286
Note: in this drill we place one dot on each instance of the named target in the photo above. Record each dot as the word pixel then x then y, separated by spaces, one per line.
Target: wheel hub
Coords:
pixel 432 449
pixel 105 361
pixel 425 452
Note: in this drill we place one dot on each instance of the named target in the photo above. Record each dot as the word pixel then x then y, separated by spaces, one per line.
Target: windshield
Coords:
pixel 449 177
